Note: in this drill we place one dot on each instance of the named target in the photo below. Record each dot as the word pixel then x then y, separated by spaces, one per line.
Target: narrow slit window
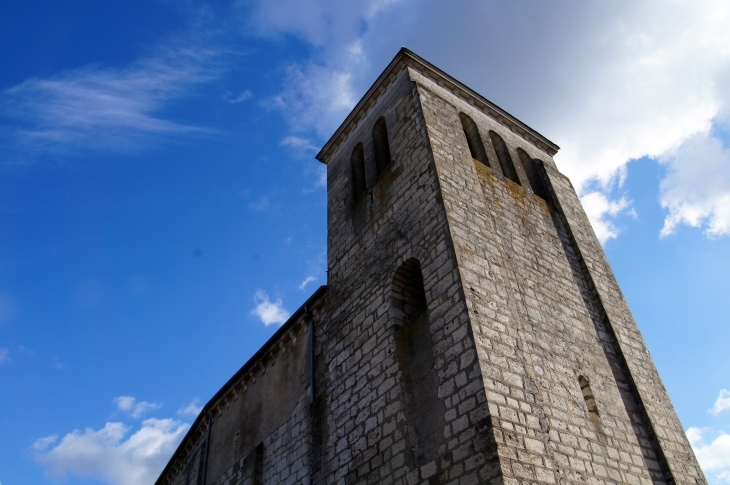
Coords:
pixel 381 146
pixel 476 147
pixel 585 388
pixel 357 164
pixel 531 169
pixel 505 160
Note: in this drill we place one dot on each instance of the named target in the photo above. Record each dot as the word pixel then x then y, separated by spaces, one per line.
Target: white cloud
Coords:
pixel 599 210
pixel 4 356
pixel 192 409
pixel 722 403
pixel 103 108
pixel 713 456
pixel 608 82
pixel 696 189
pixel 135 409
pixel 269 312
pixel 306 281
pixel 107 456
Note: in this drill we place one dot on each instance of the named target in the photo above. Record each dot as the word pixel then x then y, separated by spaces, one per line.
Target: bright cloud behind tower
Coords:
pixel 157 185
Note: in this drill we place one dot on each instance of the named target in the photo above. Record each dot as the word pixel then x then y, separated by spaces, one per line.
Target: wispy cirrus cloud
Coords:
pixel 57 364
pixel 299 144
pixel 316 97
pixel 321 177
pixel 8 308
pixel 245 95
pixel 305 148
pixel 103 108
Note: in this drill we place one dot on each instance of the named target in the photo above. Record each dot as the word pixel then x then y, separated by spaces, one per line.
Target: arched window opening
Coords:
pixel 531 169
pixel 585 388
pixel 380 143
pixel 357 164
pixel 505 160
pixel 476 147
pixel 408 297
pixel 425 412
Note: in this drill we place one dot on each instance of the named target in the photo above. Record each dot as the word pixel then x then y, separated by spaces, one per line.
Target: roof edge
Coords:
pixel 410 59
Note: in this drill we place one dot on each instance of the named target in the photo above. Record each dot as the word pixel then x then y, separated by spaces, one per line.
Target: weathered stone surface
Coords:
pixel 471 331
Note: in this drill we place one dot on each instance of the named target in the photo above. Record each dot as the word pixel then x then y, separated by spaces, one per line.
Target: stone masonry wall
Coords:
pixel 363 413
pixel 654 396
pixel 285 454
pixel 537 329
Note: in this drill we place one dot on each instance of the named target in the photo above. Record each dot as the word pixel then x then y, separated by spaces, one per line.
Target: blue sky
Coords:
pixel 162 212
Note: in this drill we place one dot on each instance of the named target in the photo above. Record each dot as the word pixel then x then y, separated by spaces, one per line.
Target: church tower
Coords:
pixel 471 331
pixel 474 330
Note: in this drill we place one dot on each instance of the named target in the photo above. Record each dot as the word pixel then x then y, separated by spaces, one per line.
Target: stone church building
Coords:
pixel 471 330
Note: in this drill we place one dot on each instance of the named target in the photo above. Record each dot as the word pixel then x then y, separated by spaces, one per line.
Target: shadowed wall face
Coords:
pixel 505 159
pixel 245 424
pixel 533 175
pixel 409 296
pixel 357 169
pixel 473 139
pixel 381 146
pixel 419 381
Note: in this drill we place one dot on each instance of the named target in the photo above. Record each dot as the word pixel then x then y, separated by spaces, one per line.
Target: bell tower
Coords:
pixel 475 332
